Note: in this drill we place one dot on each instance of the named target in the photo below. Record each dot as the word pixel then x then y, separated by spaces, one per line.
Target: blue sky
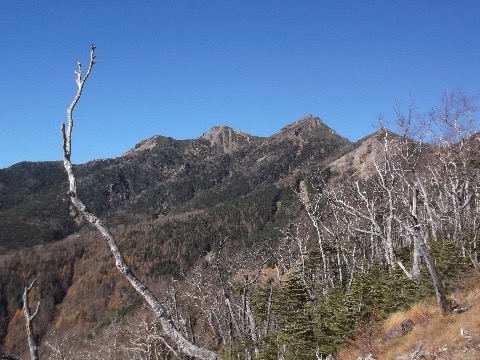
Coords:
pixel 177 68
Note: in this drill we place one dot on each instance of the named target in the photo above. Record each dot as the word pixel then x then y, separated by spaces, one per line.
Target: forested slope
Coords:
pixel 266 248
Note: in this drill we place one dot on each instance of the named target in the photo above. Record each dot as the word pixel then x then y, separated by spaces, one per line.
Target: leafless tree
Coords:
pixel 221 289
pixel 442 188
pixel 394 207
pixel 313 209
pixel 32 344
pixel 403 192
pixel 168 327
pixel 143 339
pixel 457 174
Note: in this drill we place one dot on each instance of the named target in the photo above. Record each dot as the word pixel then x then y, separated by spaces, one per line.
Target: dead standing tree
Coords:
pixel 32 345
pixel 168 326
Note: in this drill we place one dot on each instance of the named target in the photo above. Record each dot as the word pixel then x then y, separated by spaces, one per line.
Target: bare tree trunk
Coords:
pixel 417 263
pixel 269 308
pixel 420 242
pixel 252 325
pixel 419 237
pixel 32 345
pixel 435 275
pixel 164 318
pixel 304 197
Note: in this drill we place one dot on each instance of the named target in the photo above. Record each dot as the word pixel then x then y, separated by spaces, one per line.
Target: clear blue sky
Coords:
pixel 177 68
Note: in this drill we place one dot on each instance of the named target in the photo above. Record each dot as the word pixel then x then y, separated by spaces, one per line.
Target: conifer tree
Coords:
pixel 296 320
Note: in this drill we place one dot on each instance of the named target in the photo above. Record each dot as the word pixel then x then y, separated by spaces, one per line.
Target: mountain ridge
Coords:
pixel 161 174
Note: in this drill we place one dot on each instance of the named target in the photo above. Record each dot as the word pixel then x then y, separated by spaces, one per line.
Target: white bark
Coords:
pixel 312 212
pixel 32 345
pixel 159 310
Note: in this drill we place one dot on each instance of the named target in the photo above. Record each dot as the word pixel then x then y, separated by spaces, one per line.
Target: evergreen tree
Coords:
pixel 294 307
pixel 332 323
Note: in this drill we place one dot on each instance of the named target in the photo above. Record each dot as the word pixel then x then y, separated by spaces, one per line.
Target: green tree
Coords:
pixel 295 311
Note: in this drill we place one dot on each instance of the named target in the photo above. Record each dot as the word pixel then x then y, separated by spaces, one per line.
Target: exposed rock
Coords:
pixel 227 138
pixel 301 128
pixel 403 328
pixel 369 151
pixel 458 309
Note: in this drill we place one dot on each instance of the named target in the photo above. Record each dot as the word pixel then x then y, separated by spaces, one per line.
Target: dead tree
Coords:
pixel 369 216
pixel 417 222
pixel 32 344
pixel 157 307
pixel 313 214
pixel 397 202
pixel 457 174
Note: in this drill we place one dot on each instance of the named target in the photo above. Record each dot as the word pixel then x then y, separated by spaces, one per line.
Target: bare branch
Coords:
pixel 164 318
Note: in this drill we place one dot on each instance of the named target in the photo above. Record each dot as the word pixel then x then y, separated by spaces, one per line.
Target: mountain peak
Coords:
pixel 215 130
pixel 308 119
pixel 304 128
pixel 308 122
pixel 226 137
pixel 147 144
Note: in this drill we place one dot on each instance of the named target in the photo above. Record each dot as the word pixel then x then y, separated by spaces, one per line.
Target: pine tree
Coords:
pixel 332 323
pixel 297 338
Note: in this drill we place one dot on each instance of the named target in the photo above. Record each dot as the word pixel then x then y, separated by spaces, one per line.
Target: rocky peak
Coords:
pixel 147 144
pixel 368 152
pixel 227 138
pixel 305 128
pixel 307 121
pixel 150 143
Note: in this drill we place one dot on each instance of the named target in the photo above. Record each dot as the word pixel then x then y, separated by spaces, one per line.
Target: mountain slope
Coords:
pixel 159 176
pixel 170 202
pixel 214 227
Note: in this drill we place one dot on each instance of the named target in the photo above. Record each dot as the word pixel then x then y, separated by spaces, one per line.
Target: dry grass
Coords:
pixel 452 336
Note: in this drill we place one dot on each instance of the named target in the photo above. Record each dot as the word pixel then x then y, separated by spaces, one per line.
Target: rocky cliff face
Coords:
pixel 227 138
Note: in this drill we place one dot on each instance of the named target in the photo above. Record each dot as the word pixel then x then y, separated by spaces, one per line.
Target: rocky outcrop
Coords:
pixel 401 329
pixel 227 138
